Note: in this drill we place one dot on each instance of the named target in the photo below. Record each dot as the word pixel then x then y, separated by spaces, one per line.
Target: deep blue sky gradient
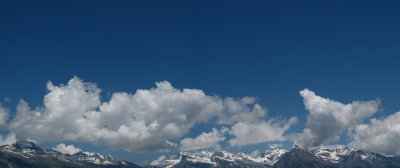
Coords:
pixel 343 50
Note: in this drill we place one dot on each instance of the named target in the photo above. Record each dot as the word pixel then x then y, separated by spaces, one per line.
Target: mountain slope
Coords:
pixel 337 157
pixel 28 154
pixel 24 154
pixel 301 157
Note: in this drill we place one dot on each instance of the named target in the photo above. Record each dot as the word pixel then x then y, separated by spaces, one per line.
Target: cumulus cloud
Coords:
pixel 7 100
pixel 328 118
pixel 204 140
pixel 148 120
pixel 257 132
pixel 70 149
pixel 380 135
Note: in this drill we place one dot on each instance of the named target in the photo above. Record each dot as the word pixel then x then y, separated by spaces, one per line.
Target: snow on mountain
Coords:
pixel 29 150
pixel 95 158
pixel 267 158
pixel 275 157
pixel 333 155
pixel 271 155
pixel 201 157
pixel 337 155
pixel 23 148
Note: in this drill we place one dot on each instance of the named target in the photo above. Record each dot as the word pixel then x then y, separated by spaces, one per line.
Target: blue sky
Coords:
pixel 269 50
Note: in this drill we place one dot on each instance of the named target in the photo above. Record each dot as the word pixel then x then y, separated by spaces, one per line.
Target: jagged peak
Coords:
pixel 273 151
pixel 26 145
pixel 297 146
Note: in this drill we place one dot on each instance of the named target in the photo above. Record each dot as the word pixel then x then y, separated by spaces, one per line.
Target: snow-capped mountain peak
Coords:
pixel 94 157
pixel 32 152
pixel 337 155
pixel 298 147
pixel 26 145
pixel 267 158
pixel 276 157
pixel 272 155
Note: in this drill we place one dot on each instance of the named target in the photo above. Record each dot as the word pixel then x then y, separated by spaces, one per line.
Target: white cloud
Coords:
pixel 7 100
pixel 145 121
pixel 380 135
pixel 4 112
pixel 328 118
pixel 257 132
pixel 238 111
pixel 255 154
pixel 204 140
pixel 8 140
pixel 70 149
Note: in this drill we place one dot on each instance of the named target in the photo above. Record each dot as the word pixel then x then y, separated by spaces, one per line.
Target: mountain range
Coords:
pixel 25 154
pixel 279 158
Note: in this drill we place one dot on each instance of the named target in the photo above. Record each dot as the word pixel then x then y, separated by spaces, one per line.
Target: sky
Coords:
pixel 141 79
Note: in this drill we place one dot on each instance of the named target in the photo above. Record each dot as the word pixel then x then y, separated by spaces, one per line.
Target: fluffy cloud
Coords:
pixel 70 149
pixel 204 140
pixel 149 120
pixel 380 135
pixel 8 140
pixel 328 118
pixel 7 100
pixel 257 132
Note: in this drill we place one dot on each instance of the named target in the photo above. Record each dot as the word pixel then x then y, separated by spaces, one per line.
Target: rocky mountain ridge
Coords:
pixel 28 154
pixel 209 159
pixel 279 158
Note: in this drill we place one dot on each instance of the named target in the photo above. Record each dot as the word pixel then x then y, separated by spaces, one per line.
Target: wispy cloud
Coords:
pixel 4 113
pixel 255 154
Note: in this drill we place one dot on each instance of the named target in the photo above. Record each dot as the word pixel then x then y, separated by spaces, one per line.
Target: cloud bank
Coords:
pixel 149 120
pixel 158 119
pixel 329 118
